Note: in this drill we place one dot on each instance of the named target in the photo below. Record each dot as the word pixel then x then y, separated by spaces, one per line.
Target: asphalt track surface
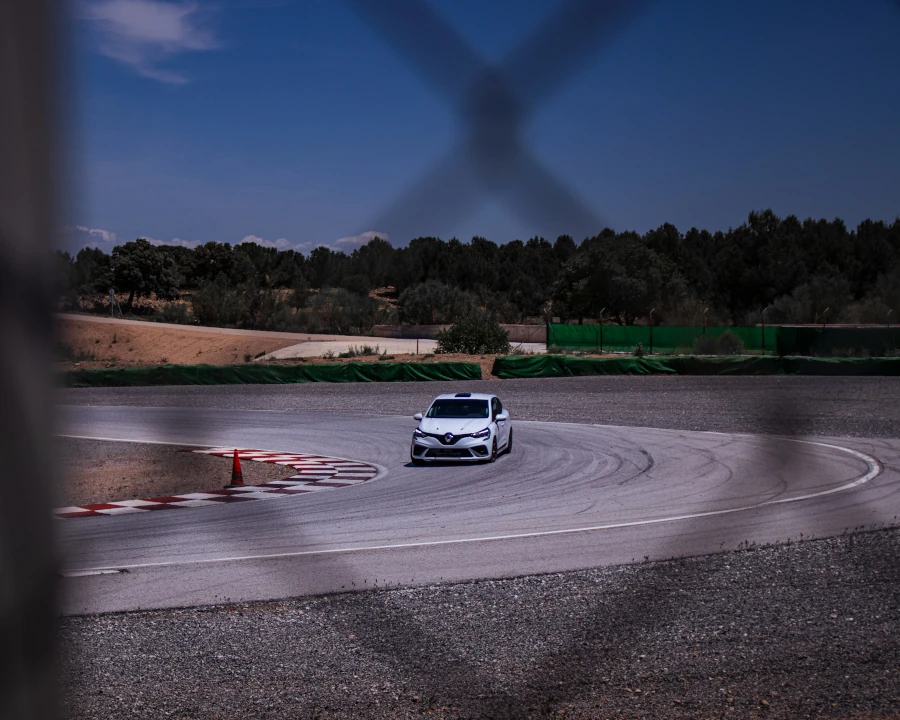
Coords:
pixel 569 496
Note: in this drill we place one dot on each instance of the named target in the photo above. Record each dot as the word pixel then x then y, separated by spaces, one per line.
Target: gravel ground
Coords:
pixel 832 406
pixel 99 471
pixel 807 630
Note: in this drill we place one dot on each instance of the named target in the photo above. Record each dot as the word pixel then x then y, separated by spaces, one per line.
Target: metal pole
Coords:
pixel 825 317
pixel 764 331
pixel 651 329
pixel 889 317
pixel 706 310
pixel 601 330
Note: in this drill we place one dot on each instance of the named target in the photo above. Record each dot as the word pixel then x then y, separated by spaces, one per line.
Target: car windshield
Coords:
pixel 459 409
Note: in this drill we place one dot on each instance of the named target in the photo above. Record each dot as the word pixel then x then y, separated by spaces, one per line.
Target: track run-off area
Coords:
pixel 569 496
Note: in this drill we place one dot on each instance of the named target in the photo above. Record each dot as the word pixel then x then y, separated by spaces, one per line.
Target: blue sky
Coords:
pixel 296 123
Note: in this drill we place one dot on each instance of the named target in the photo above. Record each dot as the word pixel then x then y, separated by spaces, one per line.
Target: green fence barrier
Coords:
pixel 519 366
pixel 875 341
pixel 271 374
pixel 662 338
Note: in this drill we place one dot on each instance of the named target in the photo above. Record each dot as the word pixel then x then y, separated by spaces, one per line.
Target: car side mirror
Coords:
pixel 502 416
pixel 417 416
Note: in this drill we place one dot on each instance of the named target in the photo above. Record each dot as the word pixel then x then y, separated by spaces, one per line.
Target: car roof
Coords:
pixel 466 396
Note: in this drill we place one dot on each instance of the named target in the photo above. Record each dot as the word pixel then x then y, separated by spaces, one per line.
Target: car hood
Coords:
pixel 457 426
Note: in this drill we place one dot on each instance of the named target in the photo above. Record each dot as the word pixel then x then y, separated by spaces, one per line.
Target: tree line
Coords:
pixel 796 271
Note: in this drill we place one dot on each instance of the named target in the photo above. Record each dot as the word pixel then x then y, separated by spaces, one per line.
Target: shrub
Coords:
pixel 174 312
pixel 725 344
pixel 473 334
pixel 731 344
pixel 639 350
pixel 434 302
pixel 359 351
pixel 67 353
pixel 217 303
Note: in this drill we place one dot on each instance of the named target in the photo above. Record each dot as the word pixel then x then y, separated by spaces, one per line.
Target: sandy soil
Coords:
pixel 96 342
pixel 128 345
pixel 100 471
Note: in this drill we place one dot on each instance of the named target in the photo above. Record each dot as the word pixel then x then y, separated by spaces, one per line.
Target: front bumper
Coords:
pixel 463 450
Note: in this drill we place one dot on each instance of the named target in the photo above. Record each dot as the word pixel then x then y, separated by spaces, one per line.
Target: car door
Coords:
pixel 502 427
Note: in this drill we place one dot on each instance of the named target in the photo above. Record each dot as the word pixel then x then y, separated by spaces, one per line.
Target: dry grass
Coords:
pixel 120 345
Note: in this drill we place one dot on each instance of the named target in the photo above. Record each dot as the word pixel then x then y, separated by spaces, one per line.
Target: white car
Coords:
pixel 468 427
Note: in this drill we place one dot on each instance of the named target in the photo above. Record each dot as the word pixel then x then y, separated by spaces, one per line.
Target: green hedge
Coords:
pixel 530 366
pixel 272 374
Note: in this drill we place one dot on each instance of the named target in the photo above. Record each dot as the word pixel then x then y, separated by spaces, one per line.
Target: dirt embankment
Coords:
pixel 87 344
pixel 97 471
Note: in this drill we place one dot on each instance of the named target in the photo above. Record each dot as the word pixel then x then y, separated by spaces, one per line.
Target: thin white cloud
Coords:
pixel 144 33
pixel 279 244
pixel 355 241
pixel 80 236
pixel 173 242
pixel 77 237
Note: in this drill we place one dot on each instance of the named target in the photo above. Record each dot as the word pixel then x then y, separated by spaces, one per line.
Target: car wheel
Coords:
pixel 416 461
pixel 493 451
pixel 509 443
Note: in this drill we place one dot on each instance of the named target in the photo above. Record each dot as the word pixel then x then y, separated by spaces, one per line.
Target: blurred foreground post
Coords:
pixel 28 113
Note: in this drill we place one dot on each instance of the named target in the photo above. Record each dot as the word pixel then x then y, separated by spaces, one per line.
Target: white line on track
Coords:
pixel 875 469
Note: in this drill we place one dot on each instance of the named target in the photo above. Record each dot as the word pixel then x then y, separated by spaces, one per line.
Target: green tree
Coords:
pixel 93 271
pixel 433 302
pixel 140 269
pixel 621 274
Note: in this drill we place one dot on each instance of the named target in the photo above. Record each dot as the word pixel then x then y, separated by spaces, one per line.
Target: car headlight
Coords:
pixel 482 433
pixel 418 433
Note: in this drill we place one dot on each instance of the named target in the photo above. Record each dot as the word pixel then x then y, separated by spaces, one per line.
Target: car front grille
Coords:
pixel 448 453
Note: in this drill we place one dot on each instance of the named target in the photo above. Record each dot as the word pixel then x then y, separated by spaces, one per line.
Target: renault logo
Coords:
pixel 448 438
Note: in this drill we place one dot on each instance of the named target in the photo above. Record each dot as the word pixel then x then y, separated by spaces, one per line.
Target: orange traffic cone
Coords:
pixel 237 476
